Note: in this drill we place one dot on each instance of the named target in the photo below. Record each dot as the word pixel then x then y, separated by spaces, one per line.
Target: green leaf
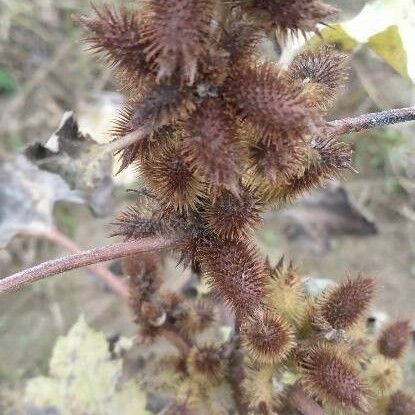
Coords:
pixel 83 379
pixel 337 35
pixel 389 46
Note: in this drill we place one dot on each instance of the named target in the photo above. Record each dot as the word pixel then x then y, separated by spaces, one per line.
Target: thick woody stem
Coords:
pixel 366 121
pixel 303 403
pixel 81 259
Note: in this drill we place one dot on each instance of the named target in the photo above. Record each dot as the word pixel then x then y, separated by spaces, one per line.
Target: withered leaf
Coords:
pixel 28 196
pixel 80 161
pixel 324 215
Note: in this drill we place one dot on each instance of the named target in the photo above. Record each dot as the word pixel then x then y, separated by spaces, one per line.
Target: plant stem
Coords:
pixel 372 120
pixel 125 141
pixel 103 272
pixel 81 259
pixel 237 376
pixel 302 402
pixel 178 341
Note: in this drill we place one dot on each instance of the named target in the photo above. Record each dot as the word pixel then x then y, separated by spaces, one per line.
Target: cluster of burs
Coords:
pixel 218 133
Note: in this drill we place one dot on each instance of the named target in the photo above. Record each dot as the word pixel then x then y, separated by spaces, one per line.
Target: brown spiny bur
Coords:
pixel 325 68
pixel 144 146
pixel 193 235
pixel 142 271
pixel 144 281
pixel 270 102
pixel 328 161
pixel 211 145
pixel 344 305
pixel 267 337
pixel 278 161
pixel 291 16
pixel 117 35
pixel 383 375
pixel 157 106
pixel 172 179
pixel 175 34
pixel 329 375
pixel 199 315
pixel 240 39
pixel 206 364
pixel 137 222
pixel 395 339
pixel 401 403
pixel 286 294
pixel 235 272
pixel 232 216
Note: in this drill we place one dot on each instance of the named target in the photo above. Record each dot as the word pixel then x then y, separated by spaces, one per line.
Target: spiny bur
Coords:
pixel 261 394
pixel 290 16
pixel 384 375
pixel 401 403
pixel 395 339
pixel 235 272
pixel 343 306
pixel 206 364
pixel 322 71
pixel 329 374
pixel 267 337
pixel 219 133
pixel 286 293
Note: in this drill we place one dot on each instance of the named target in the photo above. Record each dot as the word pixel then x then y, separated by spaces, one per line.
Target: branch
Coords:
pixel 237 376
pixel 178 341
pixel 363 122
pixel 81 259
pixel 125 141
pixel 302 402
pixel 103 272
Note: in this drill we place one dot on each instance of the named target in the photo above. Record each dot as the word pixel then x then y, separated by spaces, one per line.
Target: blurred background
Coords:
pixel 364 224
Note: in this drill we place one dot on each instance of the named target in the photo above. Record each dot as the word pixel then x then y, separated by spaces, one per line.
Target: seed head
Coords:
pixel 206 365
pixel 329 160
pixel 286 295
pixel 117 35
pixel 175 36
pixel 259 389
pixel 322 71
pixel 211 145
pixel 233 216
pixel 171 178
pixel 199 315
pixel 271 103
pixel 235 272
pixel 344 305
pixel 401 403
pixel 139 221
pixel 291 15
pixel 278 161
pixel 142 272
pixel 267 337
pixel 395 339
pixel 329 375
pixel 383 375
